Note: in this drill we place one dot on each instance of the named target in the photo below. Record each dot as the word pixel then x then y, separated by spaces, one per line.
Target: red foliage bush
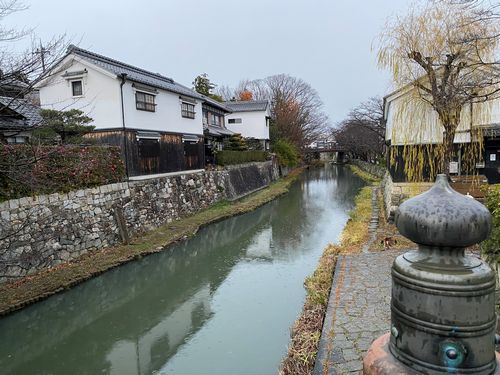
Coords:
pixel 27 170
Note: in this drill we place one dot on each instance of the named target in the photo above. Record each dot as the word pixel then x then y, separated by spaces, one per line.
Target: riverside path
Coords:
pixel 358 311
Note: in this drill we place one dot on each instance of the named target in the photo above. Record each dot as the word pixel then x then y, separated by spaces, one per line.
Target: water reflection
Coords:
pixel 166 312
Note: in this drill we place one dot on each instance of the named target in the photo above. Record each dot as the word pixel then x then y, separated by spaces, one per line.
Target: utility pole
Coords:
pixel 42 51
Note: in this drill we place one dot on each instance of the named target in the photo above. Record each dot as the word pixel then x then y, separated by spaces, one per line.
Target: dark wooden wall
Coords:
pixel 151 156
pixel 396 166
pixel 492 168
pixel 194 155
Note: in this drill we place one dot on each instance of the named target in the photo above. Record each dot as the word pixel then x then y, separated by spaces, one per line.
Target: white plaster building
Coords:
pixel 410 121
pixel 250 119
pixel 157 121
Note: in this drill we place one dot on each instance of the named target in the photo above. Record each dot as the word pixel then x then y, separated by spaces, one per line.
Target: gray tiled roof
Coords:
pixel 133 73
pixel 247 106
pixel 216 104
pixel 30 113
pixel 218 131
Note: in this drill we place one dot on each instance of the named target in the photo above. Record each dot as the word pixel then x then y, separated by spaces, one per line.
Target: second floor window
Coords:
pixel 216 120
pixel 145 102
pixel 77 88
pixel 188 110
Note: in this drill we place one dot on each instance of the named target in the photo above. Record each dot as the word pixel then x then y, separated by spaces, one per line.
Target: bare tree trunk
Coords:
pixel 448 138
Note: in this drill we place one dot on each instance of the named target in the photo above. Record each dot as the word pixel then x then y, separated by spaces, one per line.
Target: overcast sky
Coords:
pixel 325 42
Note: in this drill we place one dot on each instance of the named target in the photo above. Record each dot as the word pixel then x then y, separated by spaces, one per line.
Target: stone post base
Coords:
pixel 380 361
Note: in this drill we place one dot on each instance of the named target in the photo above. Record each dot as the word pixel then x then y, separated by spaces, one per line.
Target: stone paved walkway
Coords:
pixel 358 311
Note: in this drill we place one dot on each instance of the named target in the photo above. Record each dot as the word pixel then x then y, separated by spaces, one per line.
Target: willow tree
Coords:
pixel 444 58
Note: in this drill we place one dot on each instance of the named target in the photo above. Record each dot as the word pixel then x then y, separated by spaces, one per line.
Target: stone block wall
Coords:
pixel 44 231
pixel 245 178
pixel 395 193
pixel 374 169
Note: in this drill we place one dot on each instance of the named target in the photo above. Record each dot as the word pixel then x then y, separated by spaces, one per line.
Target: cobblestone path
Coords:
pixel 358 311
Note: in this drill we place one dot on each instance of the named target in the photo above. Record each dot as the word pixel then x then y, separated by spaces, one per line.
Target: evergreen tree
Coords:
pixel 202 85
pixel 69 126
pixel 235 143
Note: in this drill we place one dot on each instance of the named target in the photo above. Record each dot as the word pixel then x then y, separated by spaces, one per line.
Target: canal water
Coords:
pixel 219 303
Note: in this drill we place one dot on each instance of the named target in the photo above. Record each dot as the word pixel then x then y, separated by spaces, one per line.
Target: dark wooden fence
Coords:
pixel 143 155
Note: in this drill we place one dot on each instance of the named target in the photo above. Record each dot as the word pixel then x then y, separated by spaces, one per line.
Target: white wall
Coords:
pixel 167 117
pixel 253 124
pixel 100 100
pixel 492 111
pixel 412 121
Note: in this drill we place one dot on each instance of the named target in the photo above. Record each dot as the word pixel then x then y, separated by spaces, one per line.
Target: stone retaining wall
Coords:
pixel 43 231
pixel 374 169
pixel 394 193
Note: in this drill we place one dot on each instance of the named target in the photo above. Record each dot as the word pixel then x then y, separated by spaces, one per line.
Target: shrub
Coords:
pixel 228 157
pixel 66 127
pixel 31 170
pixel 491 247
pixel 254 144
pixel 235 143
pixel 287 153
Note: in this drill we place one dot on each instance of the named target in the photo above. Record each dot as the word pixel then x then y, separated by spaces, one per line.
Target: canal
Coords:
pixel 219 303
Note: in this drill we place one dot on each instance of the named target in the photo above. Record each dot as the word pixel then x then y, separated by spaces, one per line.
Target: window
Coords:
pixel 216 120
pixel 145 102
pixel 77 88
pixel 188 110
pixel 234 121
pixel 205 118
pixel 17 139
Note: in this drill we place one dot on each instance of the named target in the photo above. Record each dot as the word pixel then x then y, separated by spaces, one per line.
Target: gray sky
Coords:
pixel 325 42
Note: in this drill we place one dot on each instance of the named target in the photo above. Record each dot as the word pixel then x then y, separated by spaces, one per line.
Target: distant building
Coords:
pixel 16 85
pixel 250 119
pixel 18 118
pixel 325 149
pixel 156 121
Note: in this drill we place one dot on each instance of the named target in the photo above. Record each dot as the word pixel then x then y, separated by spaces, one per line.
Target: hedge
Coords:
pixel 27 170
pixel 227 157
pixel 491 247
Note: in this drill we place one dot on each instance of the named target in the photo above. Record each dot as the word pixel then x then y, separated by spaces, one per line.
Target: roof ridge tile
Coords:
pixel 74 49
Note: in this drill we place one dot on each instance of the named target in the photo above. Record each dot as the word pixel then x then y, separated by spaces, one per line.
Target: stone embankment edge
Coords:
pixel 302 354
pixel 17 295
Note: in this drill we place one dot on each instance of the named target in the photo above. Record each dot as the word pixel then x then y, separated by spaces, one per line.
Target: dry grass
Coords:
pixel 356 231
pixel 388 237
pixel 15 295
pixel 306 330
